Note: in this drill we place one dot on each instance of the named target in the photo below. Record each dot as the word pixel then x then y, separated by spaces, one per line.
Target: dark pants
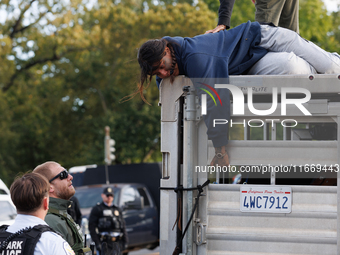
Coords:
pixel 282 13
pixel 111 245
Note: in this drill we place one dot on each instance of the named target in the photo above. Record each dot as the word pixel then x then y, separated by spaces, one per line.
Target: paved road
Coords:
pixel 145 252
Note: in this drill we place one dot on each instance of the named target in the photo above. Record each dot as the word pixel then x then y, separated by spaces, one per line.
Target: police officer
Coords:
pixel 61 190
pixel 30 234
pixel 108 220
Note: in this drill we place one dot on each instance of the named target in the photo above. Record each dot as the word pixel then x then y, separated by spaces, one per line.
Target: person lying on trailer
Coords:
pixel 250 48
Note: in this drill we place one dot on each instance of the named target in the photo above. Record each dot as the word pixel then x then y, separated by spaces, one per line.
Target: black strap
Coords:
pixel 41 229
pixel 3 228
pixel 180 188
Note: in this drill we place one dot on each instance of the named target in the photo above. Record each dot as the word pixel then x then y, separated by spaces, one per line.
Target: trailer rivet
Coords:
pixel 311 77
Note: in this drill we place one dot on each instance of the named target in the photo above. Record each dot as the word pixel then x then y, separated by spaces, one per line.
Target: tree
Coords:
pixel 68 87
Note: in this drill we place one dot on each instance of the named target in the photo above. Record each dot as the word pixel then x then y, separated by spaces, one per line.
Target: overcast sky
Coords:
pixel 331 4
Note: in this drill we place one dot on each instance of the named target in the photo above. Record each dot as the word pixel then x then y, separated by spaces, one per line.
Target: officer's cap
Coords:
pixel 108 191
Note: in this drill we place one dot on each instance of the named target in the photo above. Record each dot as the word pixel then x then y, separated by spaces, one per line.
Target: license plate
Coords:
pixel 268 199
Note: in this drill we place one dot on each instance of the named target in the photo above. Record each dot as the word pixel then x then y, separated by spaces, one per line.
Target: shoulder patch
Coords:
pixel 67 248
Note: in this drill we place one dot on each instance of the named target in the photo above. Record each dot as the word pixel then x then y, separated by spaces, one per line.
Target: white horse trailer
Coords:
pixel 276 214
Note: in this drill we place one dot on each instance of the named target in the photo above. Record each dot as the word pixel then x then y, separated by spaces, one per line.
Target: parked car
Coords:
pixel 139 211
pixel 8 211
pixel 3 188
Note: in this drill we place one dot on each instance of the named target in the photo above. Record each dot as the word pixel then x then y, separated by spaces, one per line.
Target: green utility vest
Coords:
pixel 78 246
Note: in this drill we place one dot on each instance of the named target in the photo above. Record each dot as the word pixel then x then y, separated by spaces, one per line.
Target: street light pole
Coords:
pixel 108 153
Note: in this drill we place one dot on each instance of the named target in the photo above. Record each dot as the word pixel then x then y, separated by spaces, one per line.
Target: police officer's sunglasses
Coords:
pixel 62 175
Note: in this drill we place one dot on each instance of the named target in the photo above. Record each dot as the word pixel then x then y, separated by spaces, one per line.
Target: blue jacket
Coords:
pixel 210 59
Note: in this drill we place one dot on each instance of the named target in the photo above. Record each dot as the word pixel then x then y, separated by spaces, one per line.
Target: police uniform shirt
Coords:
pixel 49 243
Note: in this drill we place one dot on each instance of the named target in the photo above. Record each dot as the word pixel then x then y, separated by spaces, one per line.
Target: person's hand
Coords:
pixel 221 157
pixel 216 29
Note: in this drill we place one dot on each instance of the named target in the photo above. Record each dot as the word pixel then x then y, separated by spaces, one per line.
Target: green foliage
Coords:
pixel 213 5
pixel 315 24
pixel 66 65
pixel 67 81
pixel 243 11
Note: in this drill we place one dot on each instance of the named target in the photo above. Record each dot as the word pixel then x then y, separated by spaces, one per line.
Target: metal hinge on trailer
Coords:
pixel 200 232
pixel 192 107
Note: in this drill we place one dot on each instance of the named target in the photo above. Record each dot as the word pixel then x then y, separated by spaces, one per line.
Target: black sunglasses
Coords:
pixel 62 175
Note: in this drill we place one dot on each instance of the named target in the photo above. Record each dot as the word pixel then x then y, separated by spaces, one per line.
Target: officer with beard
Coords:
pixel 60 192
pixel 108 220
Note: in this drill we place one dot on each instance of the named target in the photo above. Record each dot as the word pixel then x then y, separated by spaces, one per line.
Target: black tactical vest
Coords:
pixel 110 219
pixel 22 242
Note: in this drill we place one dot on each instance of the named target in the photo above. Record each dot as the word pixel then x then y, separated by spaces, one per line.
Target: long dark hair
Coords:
pixel 149 57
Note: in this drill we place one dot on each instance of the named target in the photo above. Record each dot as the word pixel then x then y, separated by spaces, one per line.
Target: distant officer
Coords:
pixel 108 220
pixel 30 234
pixel 61 190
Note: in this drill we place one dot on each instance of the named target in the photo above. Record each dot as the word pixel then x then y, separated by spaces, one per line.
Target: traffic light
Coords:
pixel 109 147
